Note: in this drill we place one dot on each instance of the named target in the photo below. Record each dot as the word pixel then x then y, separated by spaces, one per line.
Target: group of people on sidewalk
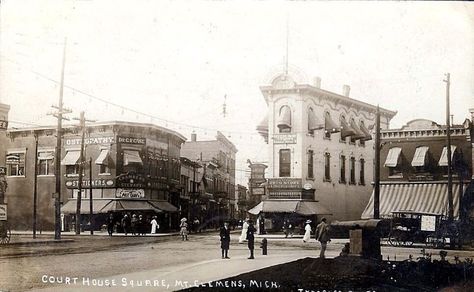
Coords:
pixel 136 225
pixel 248 234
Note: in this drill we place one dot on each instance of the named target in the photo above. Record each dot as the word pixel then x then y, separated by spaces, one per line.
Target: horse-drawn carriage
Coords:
pixel 408 227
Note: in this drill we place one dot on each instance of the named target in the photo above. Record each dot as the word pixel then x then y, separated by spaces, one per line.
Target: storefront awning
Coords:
pixel 289 206
pixel 131 156
pixel 284 119
pixel 443 160
pixel 392 157
pixel 414 197
pixel 103 157
pixel 420 156
pixel 164 205
pixel 71 158
pixel 98 206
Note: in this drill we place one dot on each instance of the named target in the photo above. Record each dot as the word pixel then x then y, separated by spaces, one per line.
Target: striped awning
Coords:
pixel 414 197
pixel 290 206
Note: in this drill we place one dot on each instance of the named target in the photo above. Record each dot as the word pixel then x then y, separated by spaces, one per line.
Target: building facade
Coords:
pixel 218 160
pixel 135 170
pixel 320 149
pixel 414 170
pixel 241 205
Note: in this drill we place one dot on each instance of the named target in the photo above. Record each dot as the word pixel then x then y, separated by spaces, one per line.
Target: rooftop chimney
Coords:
pixel 317 82
pixel 345 90
pixel 193 137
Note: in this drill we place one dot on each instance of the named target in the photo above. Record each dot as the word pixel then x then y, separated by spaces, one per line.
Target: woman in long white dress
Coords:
pixel 243 235
pixel 154 225
pixel 307 232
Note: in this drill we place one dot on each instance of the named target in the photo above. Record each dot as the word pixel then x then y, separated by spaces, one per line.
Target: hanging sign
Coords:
pixel 3 212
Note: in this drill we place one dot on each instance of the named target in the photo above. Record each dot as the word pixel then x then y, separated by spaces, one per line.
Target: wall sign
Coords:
pixel 96 183
pixel 131 181
pixel 89 140
pixel 131 140
pixel 284 139
pixel 258 191
pixel 3 212
pixel 284 183
pixel 130 193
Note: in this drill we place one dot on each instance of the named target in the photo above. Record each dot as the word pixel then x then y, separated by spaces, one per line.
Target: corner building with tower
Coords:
pixel 321 153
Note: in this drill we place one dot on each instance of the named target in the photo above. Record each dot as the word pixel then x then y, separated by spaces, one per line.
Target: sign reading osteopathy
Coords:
pixel 89 140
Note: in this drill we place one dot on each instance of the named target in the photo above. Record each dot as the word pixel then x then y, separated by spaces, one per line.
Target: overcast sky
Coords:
pixel 176 61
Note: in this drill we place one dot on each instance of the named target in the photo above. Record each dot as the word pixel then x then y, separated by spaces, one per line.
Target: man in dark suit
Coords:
pixel 251 238
pixel 225 240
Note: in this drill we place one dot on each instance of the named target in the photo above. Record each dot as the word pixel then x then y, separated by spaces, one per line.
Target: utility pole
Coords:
pixel 91 205
pixel 81 169
pixel 59 115
pixel 448 137
pixel 35 187
pixel 377 166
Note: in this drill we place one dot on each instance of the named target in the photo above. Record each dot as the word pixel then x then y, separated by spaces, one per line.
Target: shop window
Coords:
pixel 352 179
pixel 16 164
pixel 327 167
pixel 362 172
pixel 45 163
pixel 310 163
pixel 342 164
pixel 285 163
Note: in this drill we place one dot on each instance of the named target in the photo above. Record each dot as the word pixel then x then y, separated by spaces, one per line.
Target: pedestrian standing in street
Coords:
pixel 251 238
pixel 184 229
pixel 225 240
pixel 141 225
pixel 154 225
pixel 110 224
pixel 126 224
pixel 133 224
pixel 243 235
pixel 307 231
pixel 322 236
pixel 196 225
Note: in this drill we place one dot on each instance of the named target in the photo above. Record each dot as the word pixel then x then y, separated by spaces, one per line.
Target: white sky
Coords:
pixel 176 60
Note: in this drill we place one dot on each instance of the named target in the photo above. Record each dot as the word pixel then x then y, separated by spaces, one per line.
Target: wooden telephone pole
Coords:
pixel 448 137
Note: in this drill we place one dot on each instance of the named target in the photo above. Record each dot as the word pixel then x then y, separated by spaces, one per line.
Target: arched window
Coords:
pixel 284 119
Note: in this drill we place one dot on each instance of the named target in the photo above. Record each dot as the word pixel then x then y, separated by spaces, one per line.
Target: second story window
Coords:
pixel 330 126
pixel 45 163
pixel 420 158
pixel 342 164
pixel 15 162
pixel 71 161
pixel 132 162
pixel 103 161
pixel 310 164
pixel 352 164
pixel 393 162
pixel 327 167
pixel 285 163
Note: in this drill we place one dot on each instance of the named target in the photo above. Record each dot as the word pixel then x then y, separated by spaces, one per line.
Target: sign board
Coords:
pixel 284 139
pixel 284 183
pixel 130 193
pixel 3 170
pixel 258 191
pixel 131 140
pixel 96 183
pixel 428 223
pixel 3 212
pixel 307 186
pixel 282 194
pixel 3 125
pixel 89 140
pixel 133 181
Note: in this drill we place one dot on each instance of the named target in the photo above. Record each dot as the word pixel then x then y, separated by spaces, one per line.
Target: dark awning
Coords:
pixel 366 132
pixel 358 132
pixel 290 206
pixel 313 122
pixel 164 205
pixel 346 130
pixel 98 206
pixel 284 119
pixel 414 197
pixel 330 126
pixel 131 205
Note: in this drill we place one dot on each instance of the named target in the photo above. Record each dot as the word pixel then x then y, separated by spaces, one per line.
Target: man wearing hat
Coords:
pixel 225 239
pixel 307 231
pixel 322 236
pixel 184 229
pixel 251 238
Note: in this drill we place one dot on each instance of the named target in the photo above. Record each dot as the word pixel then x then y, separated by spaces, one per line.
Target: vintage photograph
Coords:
pixel 236 145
